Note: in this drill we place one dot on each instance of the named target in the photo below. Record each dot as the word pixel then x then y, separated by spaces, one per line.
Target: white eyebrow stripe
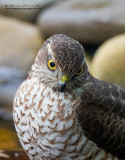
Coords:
pixel 49 49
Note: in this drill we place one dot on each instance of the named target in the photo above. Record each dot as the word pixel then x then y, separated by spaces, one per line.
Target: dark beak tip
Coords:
pixel 63 86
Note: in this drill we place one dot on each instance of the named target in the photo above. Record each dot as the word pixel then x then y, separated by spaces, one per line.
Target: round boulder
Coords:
pixel 109 61
pixel 19 43
pixel 24 10
pixel 86 21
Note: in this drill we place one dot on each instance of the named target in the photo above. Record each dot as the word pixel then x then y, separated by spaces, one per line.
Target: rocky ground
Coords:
pixel 98 25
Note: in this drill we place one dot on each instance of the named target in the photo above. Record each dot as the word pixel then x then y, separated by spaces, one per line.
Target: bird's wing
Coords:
pixel 101 115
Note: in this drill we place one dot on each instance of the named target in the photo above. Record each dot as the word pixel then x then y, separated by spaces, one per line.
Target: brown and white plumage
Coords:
pixel 62 112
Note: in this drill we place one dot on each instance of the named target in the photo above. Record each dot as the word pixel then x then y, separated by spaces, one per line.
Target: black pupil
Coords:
pixel 79 71
pixel 52 64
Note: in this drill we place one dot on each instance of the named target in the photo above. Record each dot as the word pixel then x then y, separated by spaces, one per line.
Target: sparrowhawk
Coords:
pixel 61 112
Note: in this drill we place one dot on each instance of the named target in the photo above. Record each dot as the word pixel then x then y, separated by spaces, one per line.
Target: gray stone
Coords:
pixel 25 9
pixel 5 115
pixel 19 43
pixel 11 74
pixel 13 154
pixel 12 79
pixel 87 21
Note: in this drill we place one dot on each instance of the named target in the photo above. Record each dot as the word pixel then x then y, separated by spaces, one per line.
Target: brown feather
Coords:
pixel 102 116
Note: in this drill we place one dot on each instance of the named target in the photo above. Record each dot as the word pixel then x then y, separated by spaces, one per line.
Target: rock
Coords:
pixel 6 114
pixel 8 139
pixel 13 155
pixel 11 80
pixel 10 147
pixel 24 10
pixel 8 74
pixel 109 61
pixel 19 43
pixel 7 92
pixel 3 155
pixel 86 21
pixel 88 61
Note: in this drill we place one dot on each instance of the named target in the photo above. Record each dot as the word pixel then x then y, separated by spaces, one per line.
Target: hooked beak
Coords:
pixel 63 81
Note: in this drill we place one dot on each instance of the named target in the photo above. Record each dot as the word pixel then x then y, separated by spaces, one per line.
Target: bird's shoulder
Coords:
pixel 101 115
pixel 108 96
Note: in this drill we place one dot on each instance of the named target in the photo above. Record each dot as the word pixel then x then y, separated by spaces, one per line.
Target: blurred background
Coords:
pixel 98 25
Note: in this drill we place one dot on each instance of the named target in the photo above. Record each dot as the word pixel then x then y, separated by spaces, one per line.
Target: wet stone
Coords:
pixel 13 155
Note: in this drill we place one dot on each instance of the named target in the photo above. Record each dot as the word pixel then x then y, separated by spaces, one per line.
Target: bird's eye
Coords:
pixel 80 71
pixel 51 64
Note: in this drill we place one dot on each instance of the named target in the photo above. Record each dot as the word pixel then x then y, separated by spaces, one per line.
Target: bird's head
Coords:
pixel 60 63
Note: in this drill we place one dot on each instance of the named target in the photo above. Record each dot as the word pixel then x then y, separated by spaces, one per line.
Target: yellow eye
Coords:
pixel 51 64
pixel 80 71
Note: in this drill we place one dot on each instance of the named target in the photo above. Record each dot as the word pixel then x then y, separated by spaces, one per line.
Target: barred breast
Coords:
pixel 47 125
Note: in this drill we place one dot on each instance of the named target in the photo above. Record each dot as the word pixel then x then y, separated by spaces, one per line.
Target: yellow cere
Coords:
pixel 80 71
pixel 64 78
pixel 51 64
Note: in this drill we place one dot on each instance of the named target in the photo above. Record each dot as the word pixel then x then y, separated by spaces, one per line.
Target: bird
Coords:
pixel 61 112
